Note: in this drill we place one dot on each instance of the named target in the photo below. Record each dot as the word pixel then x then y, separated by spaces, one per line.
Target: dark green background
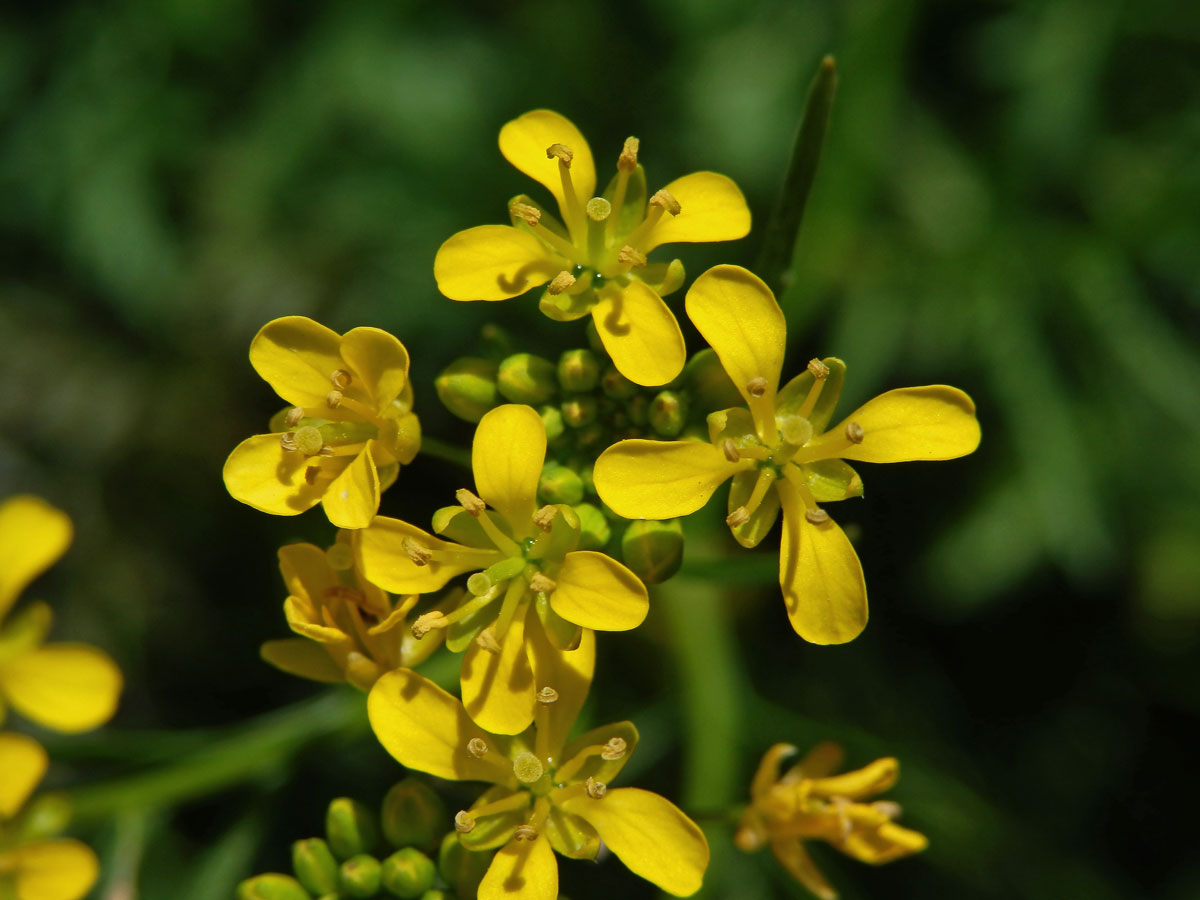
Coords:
pixel 1007 203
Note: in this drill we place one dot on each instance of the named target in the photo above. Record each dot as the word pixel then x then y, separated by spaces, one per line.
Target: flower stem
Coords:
pixel 431 446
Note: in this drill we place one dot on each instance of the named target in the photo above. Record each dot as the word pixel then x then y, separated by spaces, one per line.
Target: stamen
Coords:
pixel 628 159
pixel 628 256
pixel 477 747
pixel 418 554
pixel 542 584
pixel 757 386
pixel 766 478
pixel 287 441
pixel 816 516
pixel 340 379
pixel 426 623
pixel 527 767
pixel 487 640
pixel 596 789
pixel 293 417
pixel 333 399
pixel 544 518
pixel 530 215
pixel 887 808
pixel 308 440
pixel 470 502
pixel 667 202
pixel 614 749
pixel 818 369
pixel 560 283
pixel 547 695
pixel 574 213
pixel 730 450
pixel 598 209
pixel 854 433
pixel 626 165
pixel 563 153
pixel 526 833
pixel 464 822
pixel 739 516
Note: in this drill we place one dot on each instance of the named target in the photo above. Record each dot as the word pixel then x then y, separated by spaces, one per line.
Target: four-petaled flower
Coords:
pixel 780 453
pixel 533 597
pixel 809 802
pixel 348 431
pixel 68 687
pixel 595 258
pixel 548 794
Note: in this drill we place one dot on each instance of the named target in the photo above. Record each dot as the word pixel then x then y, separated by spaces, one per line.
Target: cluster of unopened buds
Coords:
pixel 582 468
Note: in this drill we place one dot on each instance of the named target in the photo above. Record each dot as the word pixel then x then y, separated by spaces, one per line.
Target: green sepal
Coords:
pixel 467 387
pixel 527 378
pixel 633 207
pixel 571 835
pixel 272 886
pixel 494 831
pixel 653 550
pixel 662 278
pixel 350 828
pixel 668 413
pixel 751 532
pixel 579 411
pixel 412 815
pixel 548 220
pixel 569 305
pixel 595 766
pixel 561 634
pixel 360 877
pixel 792 395
pixel 553 420
pixel 562 539
pixel 456 524
pixel 734 424
pixel 314 865
pixel 578 370
pixel 408 873
pixel 559 484
pixel 831 480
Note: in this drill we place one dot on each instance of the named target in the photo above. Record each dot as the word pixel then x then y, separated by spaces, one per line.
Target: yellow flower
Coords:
pixel 780 452
pixel 809 802
pixel 67 687
pixel 33 868
pixel 350 629
pixel 548 795
pixel 532 595
pixel 350 427
pixel 595 258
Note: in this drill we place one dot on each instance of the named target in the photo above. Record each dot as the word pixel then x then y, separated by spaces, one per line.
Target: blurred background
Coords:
pixel 1007 202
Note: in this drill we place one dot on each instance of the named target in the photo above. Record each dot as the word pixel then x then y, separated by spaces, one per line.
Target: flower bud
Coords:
pixel 350 828
pixel 467 387
pixel 653 550
pixel 559 484
pixel 668 413
pixel 579 411
pixel 594 530
pixel 408 873
pixel 638 410
pixel 435 894
pixel 616 386
pixel 413 815
pixel 314 865
pixel 710 386
pixel 525 378
pixel 578 370
pixel 462 869
pixel 360 877
pixel 271 886
pixel 553 420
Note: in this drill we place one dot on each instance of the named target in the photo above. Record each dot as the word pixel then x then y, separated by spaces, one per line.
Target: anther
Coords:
pixel 547 695
pixel 816 516
pixel 544 517
pixel 666 201
pixel 333 399
pixel 542 584
pixel 427 623
pixel 293 417
pixel 627 161
pixel 340 379
pixel 464 822
pixel 530 215
pixel 562 152
pixel 598 209
pixel 818 369
pixel 631 257
pixel 739 516
pixel 477 747
pixel 854 433
pixel 887 808
pixel 756 386
pixel 308 440
pixel 730 450
pixel 527 767
pixel 525 833
pixel 595 789
pixel 418 554
pixel 561 282
pixel 614 749
pixel 470 502
pixel 486 639
pixel 287 441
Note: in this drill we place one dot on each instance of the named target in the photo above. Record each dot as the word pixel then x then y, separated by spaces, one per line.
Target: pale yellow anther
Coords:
pixel 477 747
pixel 526 833
pixel 562 152
pixel 486 640
pixel 427 623
pixel 333 399
pixel 293 417
pixel 527 767
pixel 311 474
pixel 666 201
pixel 614 749
pixel 547 695
pixel 796 430
pixel 818 369
pixel 544 517
pixel 418 554
pixel 816 516
pixel 598 209
pixel 739 516
pixel 308 440
pixel 470 502
pixel 560 283
pixel 464 822
pixel 757 386
pixel 887 808
pixel 595 789
pixel 854 433
pixel 629 256
pixel 627 161
pixel 340 379
pixel 530 215
pixel 541 583
pixel 287 441
pixel 730 450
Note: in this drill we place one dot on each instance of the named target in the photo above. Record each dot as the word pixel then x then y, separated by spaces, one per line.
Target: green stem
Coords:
pixel 431 446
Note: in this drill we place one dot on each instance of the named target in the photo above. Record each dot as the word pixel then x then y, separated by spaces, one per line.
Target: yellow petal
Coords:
pixel 67 687
pixel 62 869
pixel 933 422
pixel 640 334
pixel 306 571
pixel 493 262
pixel 507 457
pixel 820 575
pixel 883 844
pixel 497 688
pixel 711 208
pixel 650 835
pixel 524 141
pixel 570 835
pixel 427 729
pixel 378 361
pixel 738 316
pixel 260 473
pixel 33 534
pixel 302 657
pixel 859 784
pixel 386 562
pixel 795 859
pixel 23 762
pixel 569 672
pixel 296 356
pixel 596 591
pixel 767 772
pixel 661 479
pixel 352 499
pixel 822 760
pixel 521 870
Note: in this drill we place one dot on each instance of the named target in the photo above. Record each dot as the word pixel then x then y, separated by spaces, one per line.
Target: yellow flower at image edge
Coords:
pixel 781 453
pixel 809 802
pixel 349 428
pixel 65 686
pixel 36 869
pixel 595 257
pixel 547 794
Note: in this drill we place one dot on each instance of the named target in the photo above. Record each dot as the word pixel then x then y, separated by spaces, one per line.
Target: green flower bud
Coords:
pixel 271 886
pixel 710 386
pixel 437 895
pixel 350 828
pixel 45 816
pixel 314 865
pixel 559 484
pixel 653 550
pixel 578 370
pixel 638 409
pixel 579 411
pixel 553 420
pixel 462 869
pixel 408 873
pixel 413 815
pixel 594 530
pixel 497 343
pixel 668 413
pixel 360 876
pixel 525 378
pixel 593 339
pixel 467 387
pixel 616 386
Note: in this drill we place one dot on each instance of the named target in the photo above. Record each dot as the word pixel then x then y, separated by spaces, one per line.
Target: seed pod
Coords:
pixel 413 815
pixel 314 865
pixel 467 387
pixel 360 877
pixel 350 828
pixel 525 378
pixel 408 873
pixel 271 886
pixel 653 550
pixel 559 484
pixel 578 371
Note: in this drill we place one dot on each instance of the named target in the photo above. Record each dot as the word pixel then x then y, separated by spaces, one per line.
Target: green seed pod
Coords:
pixel 616 386
pixel 653 550
pixel 314 865
pixel 710 386
pixel 413 815
pixel 408 873
pixel 559 484
pixel 553 420
pixel 467 387
pixel 594 530
pixel 578 370
pixel 350 828
pixel 462 869
pixel 272 886
pixel 360 877
pixel 668 413
pixel 579 411
pixel 525 378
